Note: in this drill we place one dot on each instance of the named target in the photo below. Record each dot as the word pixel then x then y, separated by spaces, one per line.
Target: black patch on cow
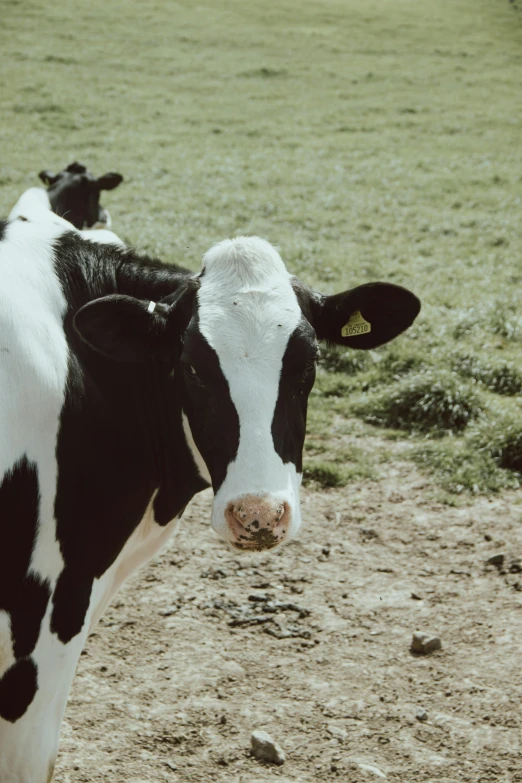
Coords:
pixel 121 437
pixel 3 226
pixel 207 403
pixel 27 615
pixel 18 688
pixel 295 384
pixel 89 270
pixel 71 598
pixel 22 595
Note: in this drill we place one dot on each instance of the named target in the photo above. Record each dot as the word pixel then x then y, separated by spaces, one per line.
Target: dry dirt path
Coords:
pixel 312 644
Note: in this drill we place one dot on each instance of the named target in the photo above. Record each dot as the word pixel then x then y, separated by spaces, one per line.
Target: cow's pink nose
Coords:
pixel 257 523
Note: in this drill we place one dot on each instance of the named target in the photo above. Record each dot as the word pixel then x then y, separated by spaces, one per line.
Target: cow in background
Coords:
pixel 74 195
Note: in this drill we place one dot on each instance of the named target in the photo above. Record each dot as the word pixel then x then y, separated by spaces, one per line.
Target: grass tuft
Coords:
pixel 338 359
pixel 323 474
pixel 501 439
pixel 400 358
pixel 506 321
pixel 340 467
pixel 502 377
pixel 459 467
pixel 501 318
pixel 428 401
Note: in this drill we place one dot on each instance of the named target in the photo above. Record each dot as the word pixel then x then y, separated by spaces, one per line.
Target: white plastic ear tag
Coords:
pixel 356 325
pixel 151 307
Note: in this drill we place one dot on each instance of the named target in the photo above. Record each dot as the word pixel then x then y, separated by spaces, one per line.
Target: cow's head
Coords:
pixel 74 194
pixel 250 335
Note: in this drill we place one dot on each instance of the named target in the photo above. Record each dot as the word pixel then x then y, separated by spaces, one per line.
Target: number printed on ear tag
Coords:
pixel 356 325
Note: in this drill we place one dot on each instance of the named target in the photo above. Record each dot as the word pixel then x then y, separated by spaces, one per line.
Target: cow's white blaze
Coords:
pixel 247 313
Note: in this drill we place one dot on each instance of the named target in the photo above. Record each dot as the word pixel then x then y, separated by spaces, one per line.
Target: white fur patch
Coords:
pixel 100 235
pixel 198 459
pixel 31 204
pixel 6 645
pixel 146 541
pixel 35 207
pixel 33 376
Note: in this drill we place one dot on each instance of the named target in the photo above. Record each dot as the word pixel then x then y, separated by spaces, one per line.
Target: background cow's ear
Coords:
pixel 109 181
pixel 364 317
pixel 124 328
pixel 47 177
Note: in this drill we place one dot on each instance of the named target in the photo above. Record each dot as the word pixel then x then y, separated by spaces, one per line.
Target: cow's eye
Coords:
pixel 309 369
pixel 190 370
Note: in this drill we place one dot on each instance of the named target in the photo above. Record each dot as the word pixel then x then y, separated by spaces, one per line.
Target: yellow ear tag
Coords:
pixel 356 325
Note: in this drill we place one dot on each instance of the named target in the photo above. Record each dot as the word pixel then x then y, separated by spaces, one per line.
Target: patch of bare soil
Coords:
pixel 312 645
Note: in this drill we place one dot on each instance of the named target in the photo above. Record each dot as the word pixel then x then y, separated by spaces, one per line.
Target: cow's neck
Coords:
pixel 121 443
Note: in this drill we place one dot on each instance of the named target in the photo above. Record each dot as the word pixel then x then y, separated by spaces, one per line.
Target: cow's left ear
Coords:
pixel 364 317
pixel 124 328
pixel 109 181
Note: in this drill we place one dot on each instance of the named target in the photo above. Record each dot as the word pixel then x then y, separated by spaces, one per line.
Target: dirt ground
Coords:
pixel 312 645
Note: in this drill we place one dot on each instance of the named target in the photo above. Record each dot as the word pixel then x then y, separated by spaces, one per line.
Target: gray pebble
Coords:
pixel 496 560
pixel 337 732
pixel 265 749
pixel 425 643
pixel 515 566
pixel 421 714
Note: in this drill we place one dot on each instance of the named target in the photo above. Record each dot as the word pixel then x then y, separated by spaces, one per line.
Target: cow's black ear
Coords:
pixel 109 181
pixel 364 317
pixel 124 328
pixel 48 178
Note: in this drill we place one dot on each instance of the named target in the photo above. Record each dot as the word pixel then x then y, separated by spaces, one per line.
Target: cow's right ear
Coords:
pixel 109 181
pixel 124 328
pixel 48 178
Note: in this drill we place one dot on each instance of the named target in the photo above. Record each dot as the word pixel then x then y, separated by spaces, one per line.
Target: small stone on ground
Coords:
pixel 372 769
pixel 265 749
pixel 425 643
pixel 337 732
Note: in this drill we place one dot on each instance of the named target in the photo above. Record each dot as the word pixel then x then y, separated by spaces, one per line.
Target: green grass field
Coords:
pixel 367 140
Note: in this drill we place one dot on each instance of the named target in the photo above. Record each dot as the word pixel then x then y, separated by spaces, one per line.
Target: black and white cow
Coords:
pixel 73 194
pixel 126 387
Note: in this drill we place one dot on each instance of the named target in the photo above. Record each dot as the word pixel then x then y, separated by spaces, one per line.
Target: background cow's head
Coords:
pixel 246 364
pixel 74 194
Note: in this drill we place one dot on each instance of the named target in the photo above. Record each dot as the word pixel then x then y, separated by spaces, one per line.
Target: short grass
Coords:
pixel 368 140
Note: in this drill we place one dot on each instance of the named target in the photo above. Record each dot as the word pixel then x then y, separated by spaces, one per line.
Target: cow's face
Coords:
pixel 74 194
pixel 249 344
pixel 248 365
